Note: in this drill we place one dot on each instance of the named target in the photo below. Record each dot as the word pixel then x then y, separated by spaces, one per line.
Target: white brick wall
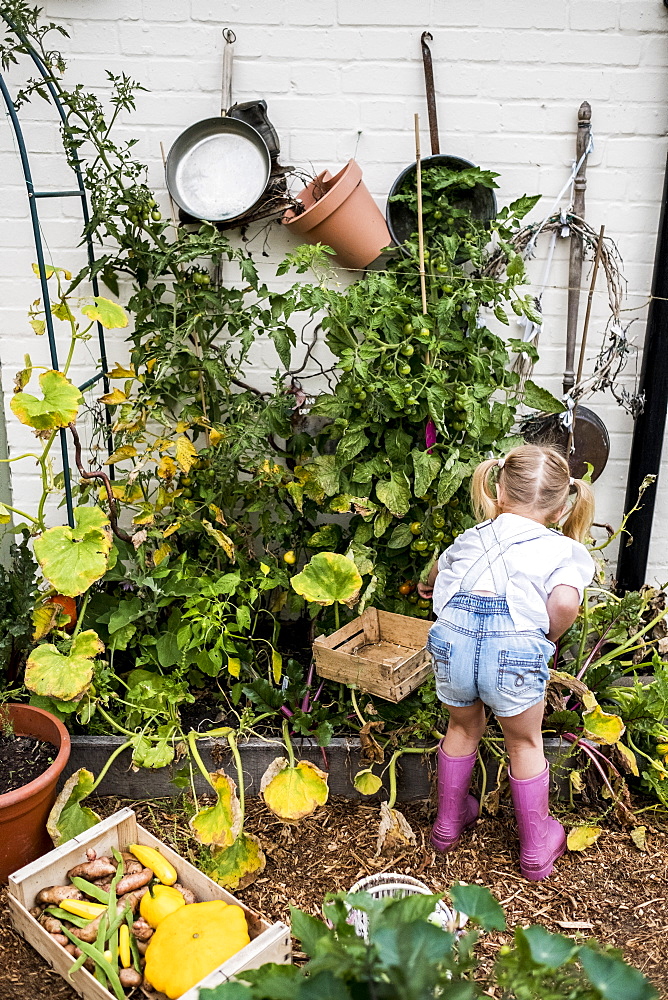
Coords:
pixel 509 78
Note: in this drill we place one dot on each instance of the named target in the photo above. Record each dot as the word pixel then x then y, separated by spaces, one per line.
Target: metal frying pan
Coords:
pixel 478 200
pixel 219 168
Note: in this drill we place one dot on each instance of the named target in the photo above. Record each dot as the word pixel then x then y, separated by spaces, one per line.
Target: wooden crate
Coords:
pixel 269 942
pixel 384 654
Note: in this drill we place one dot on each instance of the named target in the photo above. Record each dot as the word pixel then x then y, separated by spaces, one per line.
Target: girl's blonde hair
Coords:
pixel 537 480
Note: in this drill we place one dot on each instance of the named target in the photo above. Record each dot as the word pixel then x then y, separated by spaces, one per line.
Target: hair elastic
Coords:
pixel 501 462
pixel 571 482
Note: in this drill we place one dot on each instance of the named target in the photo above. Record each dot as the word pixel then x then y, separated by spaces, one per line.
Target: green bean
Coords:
pixel 129 919
pixel 99 945
pixel 91 890
pixel 101 963
pixel 60 914
pixel 77 965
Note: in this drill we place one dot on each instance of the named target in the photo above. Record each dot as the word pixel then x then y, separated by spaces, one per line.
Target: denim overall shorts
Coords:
pixel 477 653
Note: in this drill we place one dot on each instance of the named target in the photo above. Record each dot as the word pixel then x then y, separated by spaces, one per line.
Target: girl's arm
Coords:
pixel 563 605
pixel 427 589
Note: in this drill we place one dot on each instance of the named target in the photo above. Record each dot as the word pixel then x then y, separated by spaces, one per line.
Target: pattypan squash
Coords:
pixel 191 942
pixel 159 902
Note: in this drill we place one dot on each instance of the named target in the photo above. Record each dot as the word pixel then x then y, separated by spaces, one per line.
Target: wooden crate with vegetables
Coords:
pixel 137 914
pixel 380 652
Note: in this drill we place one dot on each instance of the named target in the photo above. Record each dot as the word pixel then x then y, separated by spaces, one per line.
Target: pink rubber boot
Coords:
pixel 542 838
pixel 456 808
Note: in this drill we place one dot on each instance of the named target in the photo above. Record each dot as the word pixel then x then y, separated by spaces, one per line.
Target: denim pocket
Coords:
pixel 440 657
pixel 520 672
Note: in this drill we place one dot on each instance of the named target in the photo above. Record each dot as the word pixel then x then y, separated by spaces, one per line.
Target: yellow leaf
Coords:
pixel 293 792
pixel 122 371
pixel 226 543
pixel 215 437
pixel 186 453
pixel 217 514
pixel 166 468
pixel 276 666
pixel 161 553
pixel 114 397
pixel 171 529
pixel 602 727
pixel 38 325
pixel 582 837
pixel 43 619
pixel 576 781
pixel 629 757
pixel 182 426
pixel 122 454
pixel 233 666
pixel 366 782
pixel 639 836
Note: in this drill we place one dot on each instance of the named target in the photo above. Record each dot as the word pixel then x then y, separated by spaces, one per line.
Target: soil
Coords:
pixel 22 759
pixel 613 891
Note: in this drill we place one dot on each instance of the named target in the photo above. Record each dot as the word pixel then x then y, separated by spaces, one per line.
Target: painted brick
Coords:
pixel 594 15
pixel 383 12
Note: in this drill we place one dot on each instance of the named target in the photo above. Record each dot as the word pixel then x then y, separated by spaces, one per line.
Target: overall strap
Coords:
pixel 492 557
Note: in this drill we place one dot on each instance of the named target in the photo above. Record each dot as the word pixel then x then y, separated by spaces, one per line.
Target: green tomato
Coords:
pixel 413 598
pixel 405 370
pixel 411 401
pixel 416 528
pixel 424 333
pixel 423 603
pixel 156 215
pixel 438 214
pixel 408 329
pixel 421 545
pixel 438 536
pixel 361 395
pixel 407 350
pixel 437 519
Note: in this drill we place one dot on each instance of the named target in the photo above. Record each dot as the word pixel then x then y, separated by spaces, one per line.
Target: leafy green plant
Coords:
pixel 409 956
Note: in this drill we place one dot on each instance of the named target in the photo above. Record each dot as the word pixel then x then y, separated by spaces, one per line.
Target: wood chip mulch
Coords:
pixel 612 891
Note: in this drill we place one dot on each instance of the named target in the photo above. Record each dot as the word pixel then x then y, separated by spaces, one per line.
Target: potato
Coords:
pixel 130 977
pixel 53 895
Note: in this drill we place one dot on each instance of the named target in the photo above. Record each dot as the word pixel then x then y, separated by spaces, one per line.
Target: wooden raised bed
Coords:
pixel 381 653
pixel 269 942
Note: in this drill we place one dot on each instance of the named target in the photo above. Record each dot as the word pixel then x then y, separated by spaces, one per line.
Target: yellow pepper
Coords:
pixel 191 942
pixel 82 908
pixel 124 946
pixel 159 865
pixel 159 902
pixel 108 955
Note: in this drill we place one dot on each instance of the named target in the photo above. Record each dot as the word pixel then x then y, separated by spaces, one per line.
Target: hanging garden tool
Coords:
pixel 479 200
pixel 579 431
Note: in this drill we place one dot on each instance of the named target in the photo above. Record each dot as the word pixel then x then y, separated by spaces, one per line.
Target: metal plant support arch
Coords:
pixel 33 202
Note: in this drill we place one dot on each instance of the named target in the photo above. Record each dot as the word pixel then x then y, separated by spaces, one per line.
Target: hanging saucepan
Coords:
pixel 219 168
pixel 478 200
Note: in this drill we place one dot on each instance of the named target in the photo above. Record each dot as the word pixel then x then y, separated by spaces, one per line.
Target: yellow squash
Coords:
pixel 124 951
pixel 153 859
pixel 82 908
pixel 191 942
pixel 159 902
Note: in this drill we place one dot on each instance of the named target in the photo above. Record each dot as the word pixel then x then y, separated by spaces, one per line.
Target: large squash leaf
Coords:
pixel 108 313
pixel 69 818
pixel 236 866
pixel 74 558
pixel 55 675
pixel 220 824
pixel 58 407
pixel 602 727
pixel 293 792
pixel 327 578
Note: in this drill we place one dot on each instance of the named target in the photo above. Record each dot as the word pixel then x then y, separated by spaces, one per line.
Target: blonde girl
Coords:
pixel 502 593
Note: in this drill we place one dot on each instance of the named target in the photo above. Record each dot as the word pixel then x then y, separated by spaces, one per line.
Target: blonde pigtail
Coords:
pixel 581 515
pixel 484 502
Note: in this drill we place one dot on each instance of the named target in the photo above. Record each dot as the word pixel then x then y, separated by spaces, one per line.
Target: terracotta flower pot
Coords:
pixel 340 212
pixel 23 813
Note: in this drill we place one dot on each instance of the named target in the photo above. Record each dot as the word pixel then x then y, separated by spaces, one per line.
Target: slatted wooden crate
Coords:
pixel 269 942
pixel 382 653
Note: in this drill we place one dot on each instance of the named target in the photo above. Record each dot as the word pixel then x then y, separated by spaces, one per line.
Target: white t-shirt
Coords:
pixel 535 567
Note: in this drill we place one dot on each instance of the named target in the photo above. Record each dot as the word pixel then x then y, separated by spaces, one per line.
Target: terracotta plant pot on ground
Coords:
pixel 23 813
pixel 340 212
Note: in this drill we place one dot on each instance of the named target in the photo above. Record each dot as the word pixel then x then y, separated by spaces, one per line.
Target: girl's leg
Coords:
pixel 456 760
pixel 542 838
pixel 524 742
pixel 465 727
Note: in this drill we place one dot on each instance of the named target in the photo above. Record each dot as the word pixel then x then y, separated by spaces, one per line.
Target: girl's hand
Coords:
pixel 424 590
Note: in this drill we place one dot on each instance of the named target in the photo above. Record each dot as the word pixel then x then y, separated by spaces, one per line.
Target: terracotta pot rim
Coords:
pixel 339 188
pixel 9 799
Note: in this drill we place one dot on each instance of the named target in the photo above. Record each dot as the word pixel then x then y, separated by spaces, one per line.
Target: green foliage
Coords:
pixel 17 597
pixel 409 957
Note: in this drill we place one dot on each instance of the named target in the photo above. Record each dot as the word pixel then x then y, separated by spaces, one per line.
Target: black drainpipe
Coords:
pixel 649 426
